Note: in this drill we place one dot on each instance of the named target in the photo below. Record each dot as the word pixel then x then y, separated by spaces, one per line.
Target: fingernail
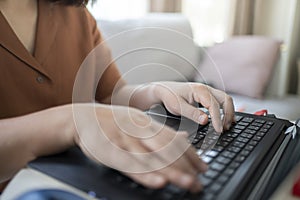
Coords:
pixel 158 179
pixel 202 119
pixel 185 179
pixel 228 126
pixel 219 128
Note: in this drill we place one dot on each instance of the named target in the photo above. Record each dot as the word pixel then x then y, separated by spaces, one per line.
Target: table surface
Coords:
pixel 28 179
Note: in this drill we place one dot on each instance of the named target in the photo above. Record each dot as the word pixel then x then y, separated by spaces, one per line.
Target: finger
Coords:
pixel 171 148
pixel 153 180
pixel 180 178
pixel 193 113
pixel 227 104
pixel 202 95
pixel 190 154
pixel 196 160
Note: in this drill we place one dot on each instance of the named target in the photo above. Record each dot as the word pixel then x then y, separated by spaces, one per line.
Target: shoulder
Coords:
pixel 76 20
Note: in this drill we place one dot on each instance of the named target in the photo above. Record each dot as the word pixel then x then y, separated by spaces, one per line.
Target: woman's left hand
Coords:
pixel 179 98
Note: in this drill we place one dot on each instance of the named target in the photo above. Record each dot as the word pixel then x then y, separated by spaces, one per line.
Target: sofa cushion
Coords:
pixel 241 65
pixel 157 47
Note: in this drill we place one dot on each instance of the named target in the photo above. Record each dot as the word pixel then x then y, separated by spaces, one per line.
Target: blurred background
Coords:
pixel 214 21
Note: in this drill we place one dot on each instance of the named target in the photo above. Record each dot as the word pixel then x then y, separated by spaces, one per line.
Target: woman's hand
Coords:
pixel 179 98
pixel 128 140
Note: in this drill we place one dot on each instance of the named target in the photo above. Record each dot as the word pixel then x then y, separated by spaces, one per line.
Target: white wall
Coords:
pixel 280 19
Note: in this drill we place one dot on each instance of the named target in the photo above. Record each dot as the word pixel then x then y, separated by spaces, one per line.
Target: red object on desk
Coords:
pixel 261 112
pixel 296 187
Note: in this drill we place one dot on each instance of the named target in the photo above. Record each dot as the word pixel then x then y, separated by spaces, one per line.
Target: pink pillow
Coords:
pixel 241 65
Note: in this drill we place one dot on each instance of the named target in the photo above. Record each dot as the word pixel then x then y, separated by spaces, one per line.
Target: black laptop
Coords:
pixel 247 162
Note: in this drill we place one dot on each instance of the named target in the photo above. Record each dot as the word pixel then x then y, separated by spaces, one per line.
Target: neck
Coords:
pixel 16 4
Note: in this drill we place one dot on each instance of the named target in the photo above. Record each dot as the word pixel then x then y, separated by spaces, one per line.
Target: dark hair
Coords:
pixel 71 2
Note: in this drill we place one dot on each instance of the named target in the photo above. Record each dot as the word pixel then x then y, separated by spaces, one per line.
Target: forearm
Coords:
pixel 138 96
pixel 28 137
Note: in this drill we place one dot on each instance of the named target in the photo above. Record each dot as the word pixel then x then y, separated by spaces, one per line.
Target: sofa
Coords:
pixel 160 47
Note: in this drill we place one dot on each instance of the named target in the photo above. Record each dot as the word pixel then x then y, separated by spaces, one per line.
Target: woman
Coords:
pixel 42 46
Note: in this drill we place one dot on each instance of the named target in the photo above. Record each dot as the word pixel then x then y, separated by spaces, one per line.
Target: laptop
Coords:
pixel 247 162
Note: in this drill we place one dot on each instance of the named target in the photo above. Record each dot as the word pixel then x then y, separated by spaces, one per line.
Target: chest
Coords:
pixel 24 25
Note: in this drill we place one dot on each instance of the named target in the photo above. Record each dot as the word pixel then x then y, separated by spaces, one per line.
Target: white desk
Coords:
pixel 29 179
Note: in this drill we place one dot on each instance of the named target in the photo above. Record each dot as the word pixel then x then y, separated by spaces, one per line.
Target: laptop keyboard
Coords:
pixel 236 158
pixel 224 154
pixel 230 151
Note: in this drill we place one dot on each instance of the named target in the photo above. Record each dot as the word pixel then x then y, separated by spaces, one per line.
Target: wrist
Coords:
pixel 59 131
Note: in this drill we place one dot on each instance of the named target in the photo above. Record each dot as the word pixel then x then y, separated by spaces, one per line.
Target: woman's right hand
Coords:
pixel 128 140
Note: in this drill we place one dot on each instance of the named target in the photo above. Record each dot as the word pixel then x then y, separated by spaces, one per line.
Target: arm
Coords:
pixel 51 131
pixel 25 138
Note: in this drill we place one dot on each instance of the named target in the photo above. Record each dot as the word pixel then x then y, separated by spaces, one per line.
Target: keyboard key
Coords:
pixel 261 121
pixel 246 135
pixel 228 154
pixel 238 131
pixel 247 119
pixel 244 123
pixel 265 130
pixel 240 158
pixel 229 172
pixel 238 118
pixel 239 127
pixel 209 141
pixel 207 159
pixel 242 139
pixel 234 165
pixel 239 144
pixel 195 141
pixel 249 147
pixel 212 153
pixel 257 124
pixel 218 148
pixel 213 137
pixel 203 146
pixel 245 152
pixel 267 126
pixel 232 135
pixel 253 143
pixel 256 138
pixel 200 136
pixel 234 149
pixel 222 179
pixel 215 187
pixel 211 174
pixel 205 181
pixel 227 139
pixel 261 134
pixel 223 143
pixel 256 128
pixel 250 131
pixel 223 160
pixel 217 166
pixel 270 123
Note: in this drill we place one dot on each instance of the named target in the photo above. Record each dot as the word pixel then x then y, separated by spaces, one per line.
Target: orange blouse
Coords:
pixel 65 36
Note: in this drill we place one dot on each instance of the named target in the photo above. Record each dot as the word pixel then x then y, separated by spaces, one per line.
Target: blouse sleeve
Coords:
pixel 110 77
